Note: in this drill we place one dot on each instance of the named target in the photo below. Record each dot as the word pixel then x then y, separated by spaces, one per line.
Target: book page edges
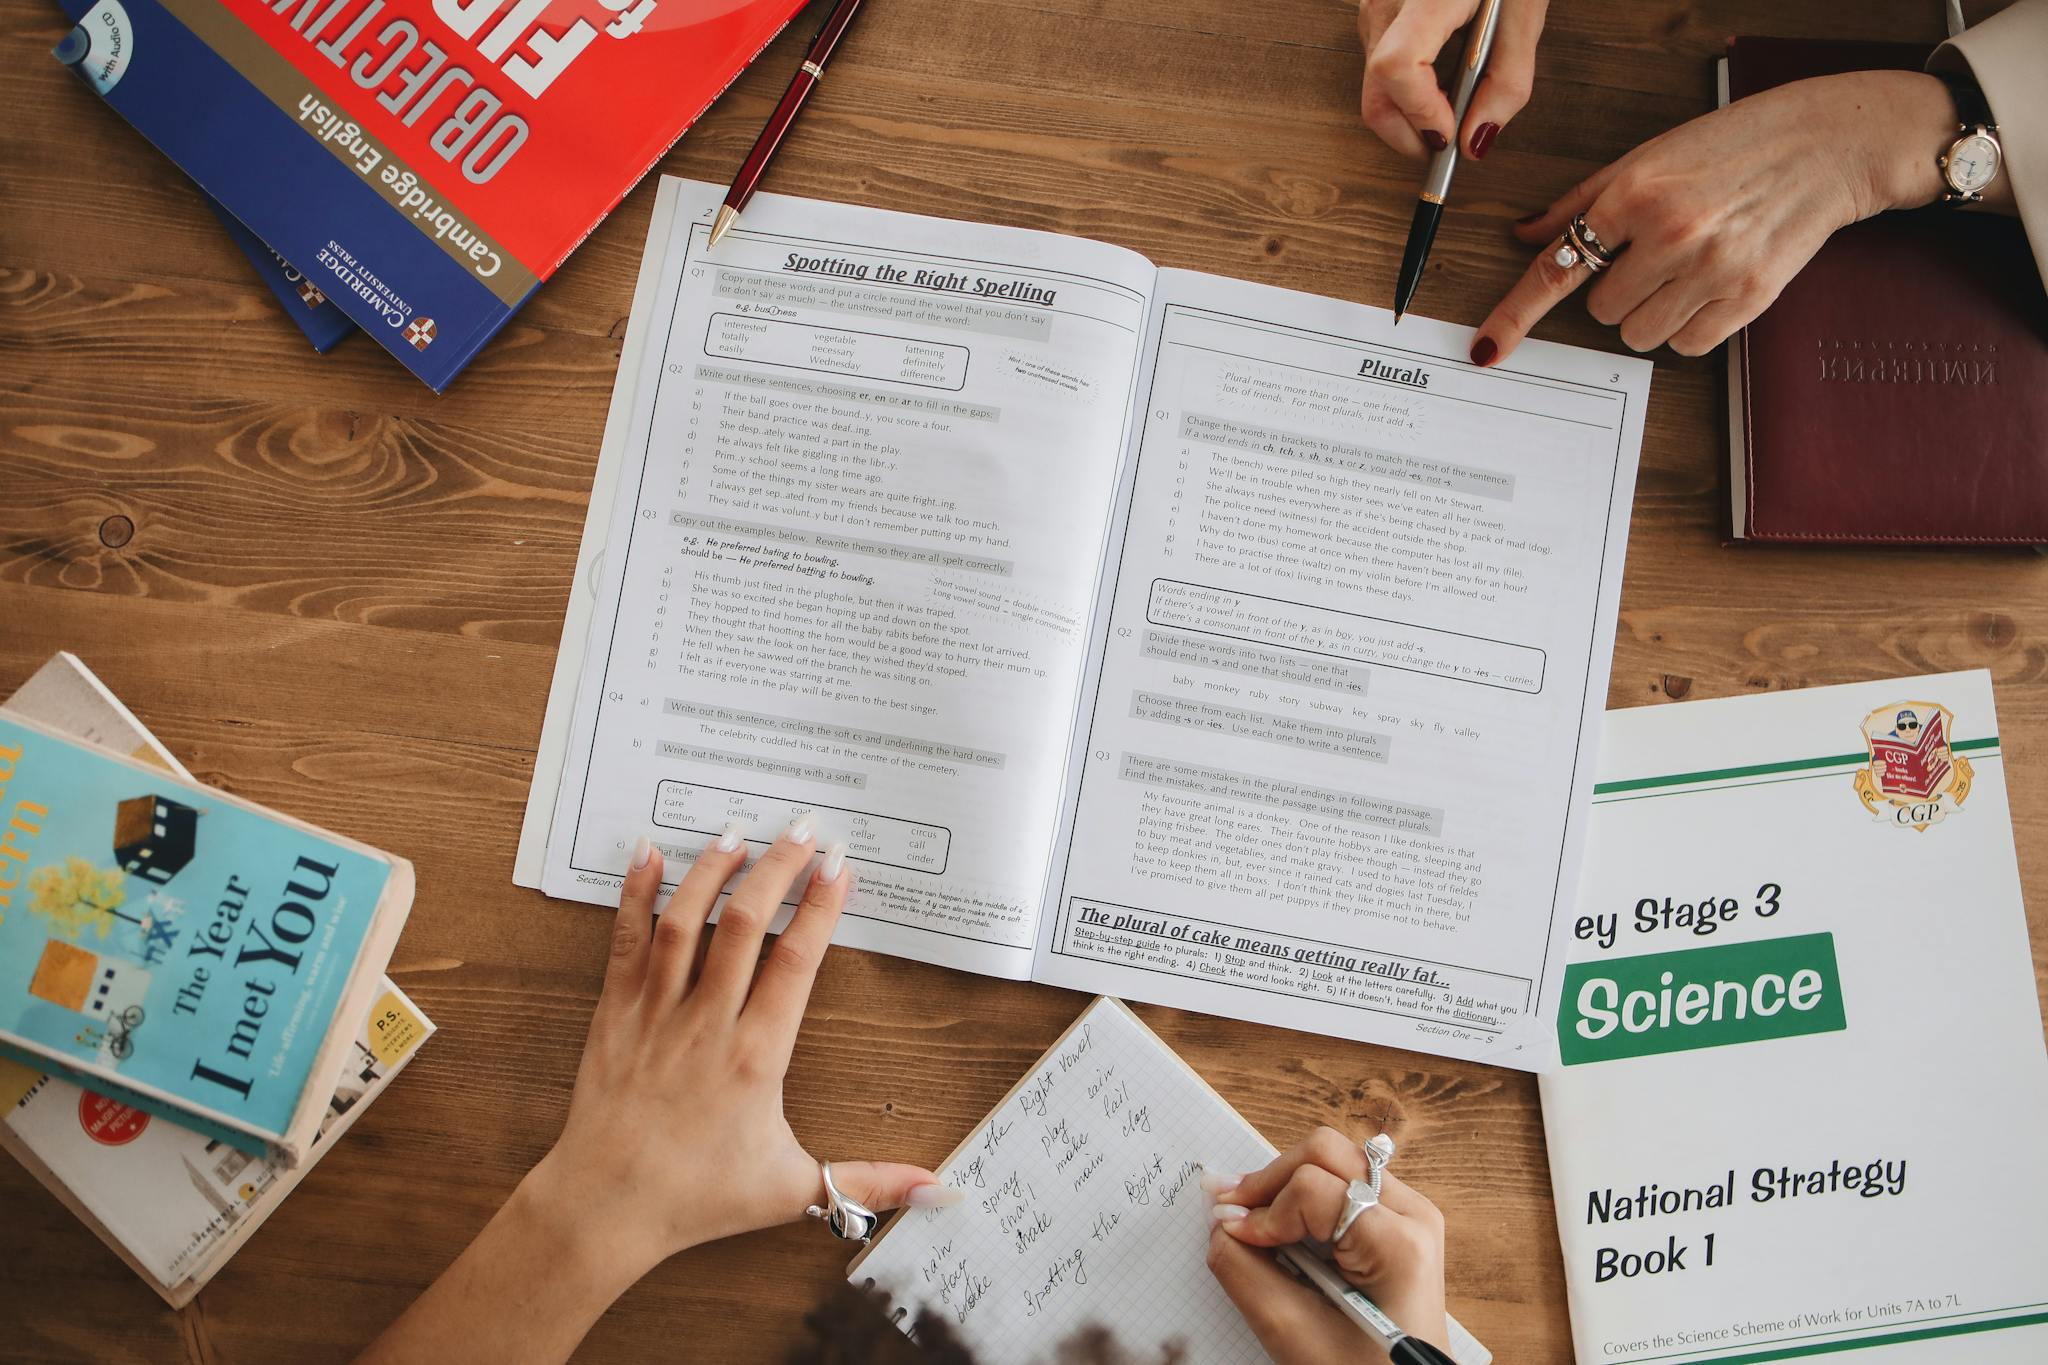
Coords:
pixel 185 1290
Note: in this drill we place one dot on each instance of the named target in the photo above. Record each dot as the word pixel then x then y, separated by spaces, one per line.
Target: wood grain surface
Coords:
pixel 331 591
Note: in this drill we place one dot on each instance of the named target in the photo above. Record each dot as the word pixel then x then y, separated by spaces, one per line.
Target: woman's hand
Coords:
pixel 1394 1252
pixel 676 1134
pixel 1719 213
pixel 1401 100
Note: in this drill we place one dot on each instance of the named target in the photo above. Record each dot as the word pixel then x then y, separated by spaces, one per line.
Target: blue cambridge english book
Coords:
pixel 304 303
pixel 178 948
pixel 425 163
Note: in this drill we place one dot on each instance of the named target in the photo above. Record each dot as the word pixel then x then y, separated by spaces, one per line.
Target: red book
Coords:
pixel 1916 762
pixel 1896 392
pixel 425 163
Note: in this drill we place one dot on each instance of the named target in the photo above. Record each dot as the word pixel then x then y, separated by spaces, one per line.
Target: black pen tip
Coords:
pixel 1415 1351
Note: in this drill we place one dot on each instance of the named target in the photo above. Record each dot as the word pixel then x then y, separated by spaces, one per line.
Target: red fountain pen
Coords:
pixel 800 87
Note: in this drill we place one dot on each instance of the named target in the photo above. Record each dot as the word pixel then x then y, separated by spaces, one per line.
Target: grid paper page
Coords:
pixel 1082 1207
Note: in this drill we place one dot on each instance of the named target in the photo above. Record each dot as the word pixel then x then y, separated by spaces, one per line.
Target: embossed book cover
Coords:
pixel 1897 390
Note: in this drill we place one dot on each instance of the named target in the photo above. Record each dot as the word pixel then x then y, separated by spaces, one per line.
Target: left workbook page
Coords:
pixel 869 473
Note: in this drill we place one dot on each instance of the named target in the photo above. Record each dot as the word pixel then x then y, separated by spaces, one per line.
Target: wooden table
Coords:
pixel 333 592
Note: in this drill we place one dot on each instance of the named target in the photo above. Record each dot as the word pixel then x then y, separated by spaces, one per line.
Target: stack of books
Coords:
pixel 193 1005
pixel 408 167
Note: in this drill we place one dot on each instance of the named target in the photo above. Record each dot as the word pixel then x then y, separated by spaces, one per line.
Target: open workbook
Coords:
pixel 1140 631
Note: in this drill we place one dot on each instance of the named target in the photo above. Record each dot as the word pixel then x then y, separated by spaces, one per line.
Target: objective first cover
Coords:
pixel 425 163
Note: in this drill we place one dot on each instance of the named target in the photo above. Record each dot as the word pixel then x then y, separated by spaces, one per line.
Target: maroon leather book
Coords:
pixel 1896 393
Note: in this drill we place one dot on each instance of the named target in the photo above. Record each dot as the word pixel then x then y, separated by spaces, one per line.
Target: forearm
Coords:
pixel 526 1290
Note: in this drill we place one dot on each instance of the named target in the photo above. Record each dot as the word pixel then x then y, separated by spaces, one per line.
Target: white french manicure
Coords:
pixel 1229 1213
pixel 735 835
pixel 835 859
pixel 1219 1182
pixel 933 1197
pixel 642 851
pixel 801 829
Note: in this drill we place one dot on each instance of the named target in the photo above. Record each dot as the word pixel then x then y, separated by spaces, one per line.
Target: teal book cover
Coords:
pixel 175 945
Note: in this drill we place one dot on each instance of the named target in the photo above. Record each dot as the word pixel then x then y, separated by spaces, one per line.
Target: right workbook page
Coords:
pixel 1347 669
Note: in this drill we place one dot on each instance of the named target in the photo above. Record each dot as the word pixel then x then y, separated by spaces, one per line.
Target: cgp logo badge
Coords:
pixel 421 334
pixel 1914 777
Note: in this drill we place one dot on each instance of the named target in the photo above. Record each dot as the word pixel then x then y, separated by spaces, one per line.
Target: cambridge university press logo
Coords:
pixel 421 334
pixel 1913 777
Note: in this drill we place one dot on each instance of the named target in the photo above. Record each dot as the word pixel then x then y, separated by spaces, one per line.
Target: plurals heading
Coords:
pixel 1372 367
pixel 939 281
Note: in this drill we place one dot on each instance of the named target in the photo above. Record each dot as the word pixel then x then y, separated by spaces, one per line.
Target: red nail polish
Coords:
pixel 1433 140
pixel 1528 218
pixel 1483 351
pixel 1482 138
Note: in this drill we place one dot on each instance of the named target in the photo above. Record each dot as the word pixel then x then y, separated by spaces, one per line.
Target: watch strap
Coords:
pixel 1971 106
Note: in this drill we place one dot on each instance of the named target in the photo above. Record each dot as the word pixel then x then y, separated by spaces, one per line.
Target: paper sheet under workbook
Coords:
pixel 1142 631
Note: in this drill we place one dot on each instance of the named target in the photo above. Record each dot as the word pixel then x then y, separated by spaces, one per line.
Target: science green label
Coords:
pixel 1699 997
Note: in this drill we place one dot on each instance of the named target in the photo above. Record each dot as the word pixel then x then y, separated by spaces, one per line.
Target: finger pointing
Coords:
pixel 1544 285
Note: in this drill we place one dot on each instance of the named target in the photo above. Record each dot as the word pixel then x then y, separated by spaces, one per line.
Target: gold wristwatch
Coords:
pixel 1973 159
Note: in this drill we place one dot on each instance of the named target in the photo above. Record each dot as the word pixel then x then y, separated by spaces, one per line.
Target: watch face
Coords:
pixel 1972 162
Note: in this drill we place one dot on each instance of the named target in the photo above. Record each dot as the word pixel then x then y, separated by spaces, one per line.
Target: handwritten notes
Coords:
pixel 1082 1207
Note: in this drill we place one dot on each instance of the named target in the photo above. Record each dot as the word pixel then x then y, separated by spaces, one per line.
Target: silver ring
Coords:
pixel 1359 1196
pixel 1364 1192
pixel 849 1219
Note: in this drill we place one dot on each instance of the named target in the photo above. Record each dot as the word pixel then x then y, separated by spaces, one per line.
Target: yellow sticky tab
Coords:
pixel 16 1080
pixel 394 1029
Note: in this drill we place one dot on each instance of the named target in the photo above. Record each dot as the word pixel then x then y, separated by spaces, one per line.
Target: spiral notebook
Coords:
pixel 1083 1208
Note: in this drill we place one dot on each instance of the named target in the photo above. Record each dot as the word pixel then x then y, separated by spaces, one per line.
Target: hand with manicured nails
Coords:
pixel 1401 98
pixel 676 1134
pixel 682 1072
pixel 1394 1252
pixel 1714 217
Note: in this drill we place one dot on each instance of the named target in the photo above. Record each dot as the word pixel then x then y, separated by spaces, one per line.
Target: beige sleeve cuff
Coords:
pixel 2007 55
